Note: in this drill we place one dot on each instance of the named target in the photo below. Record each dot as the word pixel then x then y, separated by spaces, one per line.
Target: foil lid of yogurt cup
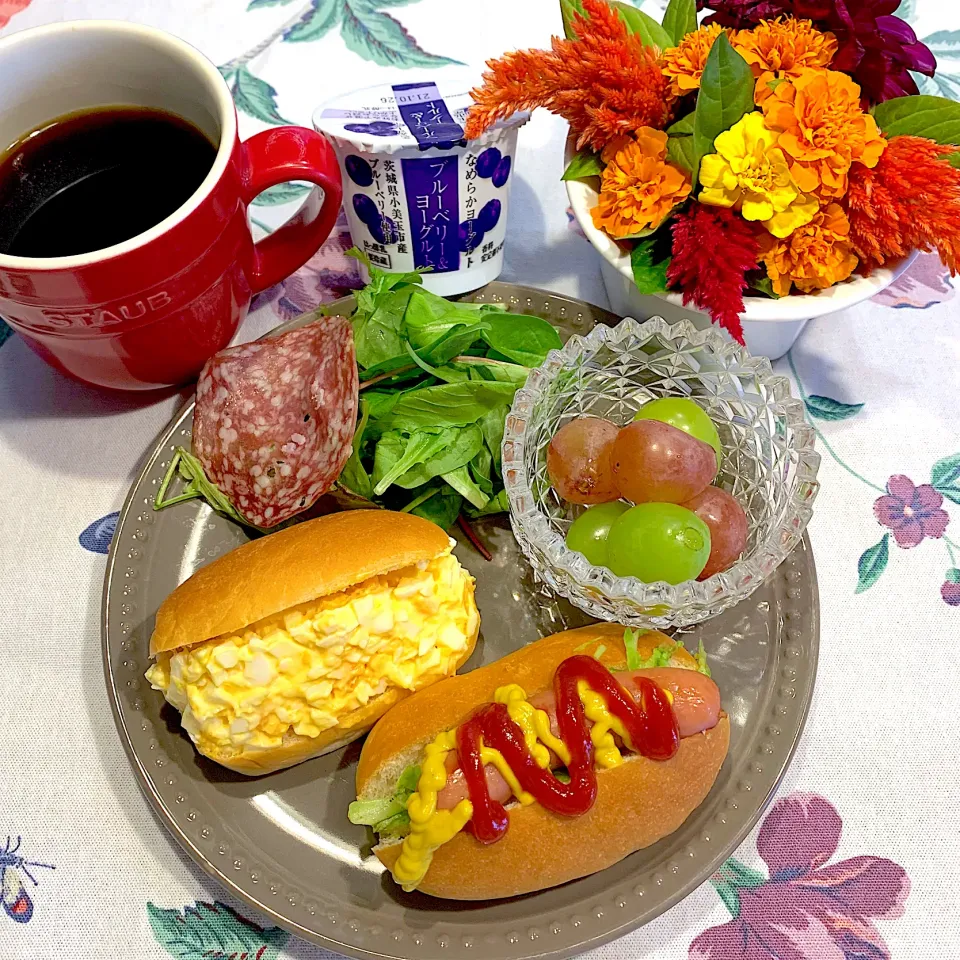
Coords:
pixel 424 115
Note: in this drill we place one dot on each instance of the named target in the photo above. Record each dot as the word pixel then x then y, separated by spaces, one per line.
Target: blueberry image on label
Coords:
pixel 383 229
pixel 358 170
pixel 365 208
pixel 471 235
pixel 502 172
pixel 489 215
pixel 379 128
pixel 487 162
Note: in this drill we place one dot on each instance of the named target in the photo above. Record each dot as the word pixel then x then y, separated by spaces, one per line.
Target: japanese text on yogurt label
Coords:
pixel 433 203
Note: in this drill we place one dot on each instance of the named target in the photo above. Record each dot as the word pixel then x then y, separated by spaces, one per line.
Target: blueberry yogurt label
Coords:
pixel 417 194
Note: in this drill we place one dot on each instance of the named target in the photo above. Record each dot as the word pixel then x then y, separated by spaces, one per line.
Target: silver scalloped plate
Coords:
pixel 283 842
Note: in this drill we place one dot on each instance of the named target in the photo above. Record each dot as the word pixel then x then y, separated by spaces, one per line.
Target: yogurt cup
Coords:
pixel 417 195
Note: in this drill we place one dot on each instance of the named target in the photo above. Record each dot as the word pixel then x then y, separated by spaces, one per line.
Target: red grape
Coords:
pixel 728 528
pixel 578 461
pixel 656 463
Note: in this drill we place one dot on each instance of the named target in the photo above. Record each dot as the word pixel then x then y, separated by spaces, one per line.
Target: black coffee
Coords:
pixel 89 180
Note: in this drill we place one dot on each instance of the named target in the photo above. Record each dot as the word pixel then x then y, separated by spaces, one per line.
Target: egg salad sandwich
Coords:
pixel 297 643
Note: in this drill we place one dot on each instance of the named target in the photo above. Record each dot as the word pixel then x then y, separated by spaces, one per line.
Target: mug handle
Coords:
pixel 277 156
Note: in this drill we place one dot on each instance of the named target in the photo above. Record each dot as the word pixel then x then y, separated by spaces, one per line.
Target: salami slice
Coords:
pixel 274 419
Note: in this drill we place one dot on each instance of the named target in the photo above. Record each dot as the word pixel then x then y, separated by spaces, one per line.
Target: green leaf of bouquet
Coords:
pixel 726 94
pixel 826 408
pixel 872 562
pixel 684 126
pixel 935 118
pixel 682 153
pixel 945 477
pixel 642 24
pixel 680 18
pixel 649 272
pixel 764 285
pixel 680 145
pixel 567 9
pixel 212 931
pixel 585 163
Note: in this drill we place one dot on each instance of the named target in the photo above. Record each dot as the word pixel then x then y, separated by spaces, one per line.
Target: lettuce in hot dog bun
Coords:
pixel 548 765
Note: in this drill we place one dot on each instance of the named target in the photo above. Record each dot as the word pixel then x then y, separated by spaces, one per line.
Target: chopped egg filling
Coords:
pixel 301 671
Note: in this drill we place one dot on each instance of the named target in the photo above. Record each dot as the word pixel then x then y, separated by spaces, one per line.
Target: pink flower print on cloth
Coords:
pixel 806 909
pixel 912 512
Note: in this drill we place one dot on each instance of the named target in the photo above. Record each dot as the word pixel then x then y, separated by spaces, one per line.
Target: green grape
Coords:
pixel 588 533
pixel 685 415
pixel 658 541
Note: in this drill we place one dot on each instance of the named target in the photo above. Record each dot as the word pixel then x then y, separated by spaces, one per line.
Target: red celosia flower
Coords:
pixel 909 201
pixel 605 83
pixel 877 49
pixel 713 250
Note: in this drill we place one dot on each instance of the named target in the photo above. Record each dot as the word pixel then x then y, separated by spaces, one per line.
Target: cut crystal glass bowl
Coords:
pixel 769 462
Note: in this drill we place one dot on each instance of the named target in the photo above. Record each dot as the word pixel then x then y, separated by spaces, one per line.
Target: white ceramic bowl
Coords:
pixel 770 327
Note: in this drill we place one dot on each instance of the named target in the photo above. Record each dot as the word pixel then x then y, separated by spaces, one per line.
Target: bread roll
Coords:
pixel 296 643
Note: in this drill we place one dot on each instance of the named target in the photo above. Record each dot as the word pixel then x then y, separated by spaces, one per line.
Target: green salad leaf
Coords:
pixel 701 657
pixel 388 815
pixel 448 404
pixel 437 378
pixel 525 340
pixel 196 486
pixel 660 657
pixel 630 638
pixel 460 446
pixel 442 507
pixel 354 475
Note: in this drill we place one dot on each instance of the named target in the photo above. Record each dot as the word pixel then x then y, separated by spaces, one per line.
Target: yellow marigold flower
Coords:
pixel 683 64
pixel 823 130
pixel 639 187
pixel 779 49
pixel 814 257
pixel 749 172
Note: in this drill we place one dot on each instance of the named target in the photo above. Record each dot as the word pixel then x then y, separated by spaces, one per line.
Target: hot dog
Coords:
pixel 696 705
pixel 548 765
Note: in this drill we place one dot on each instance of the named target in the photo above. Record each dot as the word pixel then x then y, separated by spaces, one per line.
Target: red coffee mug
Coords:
pixel 148 312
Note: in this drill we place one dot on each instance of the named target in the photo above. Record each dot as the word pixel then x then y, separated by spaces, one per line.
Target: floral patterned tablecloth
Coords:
pixel 858 858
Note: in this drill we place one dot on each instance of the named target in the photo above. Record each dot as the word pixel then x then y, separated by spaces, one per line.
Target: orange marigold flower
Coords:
pixel 605 83
pixel 639 187
pixel 909 201
pixel 779 49
pixel 823 130
pixel 814 257
pixel 683 64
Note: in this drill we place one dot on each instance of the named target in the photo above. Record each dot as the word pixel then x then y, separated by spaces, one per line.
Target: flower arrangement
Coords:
pixel 775 148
